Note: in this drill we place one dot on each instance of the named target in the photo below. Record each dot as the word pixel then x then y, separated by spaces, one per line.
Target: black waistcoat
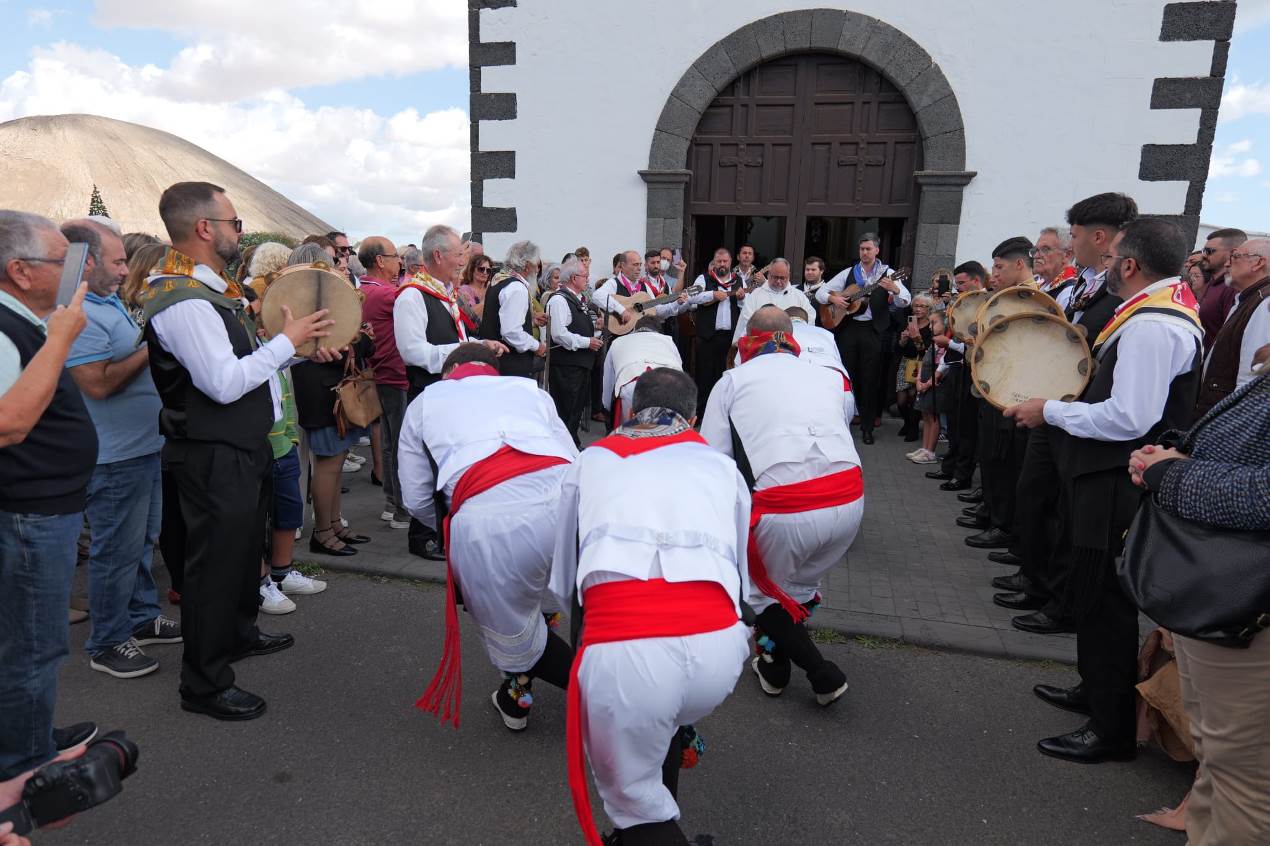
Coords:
pixel 708 314
pixel 580 323
pixel 441 331
pixel 510 363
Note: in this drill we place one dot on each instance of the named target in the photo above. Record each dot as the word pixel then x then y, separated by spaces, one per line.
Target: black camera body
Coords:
pixel 60 789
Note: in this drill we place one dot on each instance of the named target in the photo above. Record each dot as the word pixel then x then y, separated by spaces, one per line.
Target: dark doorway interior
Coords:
pixel 835 239
pixel 766 234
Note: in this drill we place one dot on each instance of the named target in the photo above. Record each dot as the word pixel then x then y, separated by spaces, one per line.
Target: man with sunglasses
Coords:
pixel 1219 296
pixel 343 251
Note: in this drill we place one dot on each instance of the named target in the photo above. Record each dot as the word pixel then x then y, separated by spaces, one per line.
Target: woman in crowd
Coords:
pixel 913 343
pixel 1218 474
pixel 1199 279
pixel 928 402
pixel 139 265
pixel 476 276
pixel 313 383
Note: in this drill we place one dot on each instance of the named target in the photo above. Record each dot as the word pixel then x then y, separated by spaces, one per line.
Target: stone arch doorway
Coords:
pixel 853 40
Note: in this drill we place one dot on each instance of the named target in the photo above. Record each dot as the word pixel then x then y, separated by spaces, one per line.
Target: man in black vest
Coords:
pixel 573 346
pixel 221 396
pixel 958 466
pixel 1041 580
pixel 860 335
pixel 1149 359
pixel 508 317
pixel 48 449
pixel 718 307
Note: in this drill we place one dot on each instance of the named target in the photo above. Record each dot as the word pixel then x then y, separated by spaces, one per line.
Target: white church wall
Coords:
pixel 591 82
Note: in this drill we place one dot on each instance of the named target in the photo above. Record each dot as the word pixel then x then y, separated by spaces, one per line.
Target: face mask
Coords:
pixel 664 264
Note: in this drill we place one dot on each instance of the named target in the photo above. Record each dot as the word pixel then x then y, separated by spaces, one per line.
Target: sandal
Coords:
pixel 347 535
pixel 328 547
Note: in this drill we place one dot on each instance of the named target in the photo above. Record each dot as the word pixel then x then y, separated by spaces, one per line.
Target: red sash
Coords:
pixel 617 611
pixel 508 463
pixel 813 494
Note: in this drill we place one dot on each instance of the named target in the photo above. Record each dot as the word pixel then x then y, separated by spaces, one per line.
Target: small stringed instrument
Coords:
pixel 640 302
pixel 857 299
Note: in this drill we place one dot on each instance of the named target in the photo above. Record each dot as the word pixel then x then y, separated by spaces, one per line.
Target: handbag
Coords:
pixel 912 368
pixel 1197 580
pixel 356 399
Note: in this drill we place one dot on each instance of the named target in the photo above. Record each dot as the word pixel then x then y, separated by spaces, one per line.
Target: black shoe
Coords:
pixel 938 474
pixel 1041 623
pixel 1068 698
pixel 866 437
pixel 955 485
pixel 375 480
pixel 991 539
pixel 264 644
pixel 1086 746
pixel 65 739
pixel 430 549
pixel 514 716
pixel 354 539
pixel 1004 556
pixel 979 510
pixel 320 548
pixel 232 703
pixel 974 496
pixel 1015 583
pixel 343 489
pixel 1018 601
pixel 979 523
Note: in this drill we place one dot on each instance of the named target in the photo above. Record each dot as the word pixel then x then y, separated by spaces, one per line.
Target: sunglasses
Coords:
pixel 482 270
pixel 237 221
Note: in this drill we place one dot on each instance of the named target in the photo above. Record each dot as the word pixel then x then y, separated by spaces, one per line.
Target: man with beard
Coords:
pixel 1219 296
pixel 718 307
pixel 221 396
pixel 813 276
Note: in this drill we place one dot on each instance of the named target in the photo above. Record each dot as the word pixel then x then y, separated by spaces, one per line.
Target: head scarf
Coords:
pixel 761 343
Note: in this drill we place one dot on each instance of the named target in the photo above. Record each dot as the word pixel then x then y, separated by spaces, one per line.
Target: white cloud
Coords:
pixel 361 171
pixel 1243 146
pixel 1240 100
pixel 1225 197
pixel 1251 14
pixel 38 18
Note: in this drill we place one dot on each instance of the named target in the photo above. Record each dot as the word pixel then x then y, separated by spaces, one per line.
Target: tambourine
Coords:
pixel 963 312
pixel 1021 299
pixel 1023 356
pixel 308 288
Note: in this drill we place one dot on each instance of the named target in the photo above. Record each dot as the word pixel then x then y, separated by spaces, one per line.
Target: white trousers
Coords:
pixel 501 543
pixel 800 548
pixel 636 694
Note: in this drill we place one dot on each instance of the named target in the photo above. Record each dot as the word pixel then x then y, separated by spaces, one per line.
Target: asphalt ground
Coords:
pixel 926 748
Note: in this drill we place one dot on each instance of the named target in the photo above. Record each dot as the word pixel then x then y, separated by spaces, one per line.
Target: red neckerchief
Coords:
pixel 653 286
pixel 624 447
pixel 471 368
pixel 460 323
pixel 726 286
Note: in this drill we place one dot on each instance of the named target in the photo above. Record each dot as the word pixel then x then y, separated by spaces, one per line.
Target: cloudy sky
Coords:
pixel 357 109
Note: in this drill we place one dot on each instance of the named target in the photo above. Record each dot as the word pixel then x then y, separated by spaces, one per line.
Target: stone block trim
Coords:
pixel 853 35
pixel 1203 20
pixel 483 105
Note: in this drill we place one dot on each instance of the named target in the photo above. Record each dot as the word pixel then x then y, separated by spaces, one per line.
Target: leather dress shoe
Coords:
pixel 1018 601
pixel 979 522
pixel 980 510
pixel 974 496
pixel 1068 698
pixel 993 538
pixel 430 549
pixel 265 644
pixel 866 437
pixel 1086 746
pixel 1015 583
pixel 955 485
pixel 1041 623
pixel 1005 556
pixel 938 474
pixel 232 703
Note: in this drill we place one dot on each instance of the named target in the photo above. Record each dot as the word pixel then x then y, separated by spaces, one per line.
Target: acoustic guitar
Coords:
pixel 640 302
pixel 857 299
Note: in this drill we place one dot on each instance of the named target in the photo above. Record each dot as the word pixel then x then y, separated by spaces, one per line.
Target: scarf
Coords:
pixel 724 285
pixel 1169 299
pixel 426 284
pixel 471 368
pixel 761 343
pixel 656 422
pixel 172 280
pixel 1067 274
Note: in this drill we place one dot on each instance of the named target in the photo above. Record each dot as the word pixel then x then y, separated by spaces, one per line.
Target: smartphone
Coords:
pixel 72 273
pixel 943 284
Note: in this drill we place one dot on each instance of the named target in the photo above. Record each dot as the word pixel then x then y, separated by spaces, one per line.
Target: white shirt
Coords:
pixel 463 421
pixel 513 304
pixel 10 359
pixel 1090 281
pixel 819 347
pixel 788 297
pixel 723 314
pixel 195 335
pixel 631 355
pixel 1256 336
pixel 605 296
pixel 794 420
pixel 561 316
pixel 410 330
pixel 839 283
pixel 1150 354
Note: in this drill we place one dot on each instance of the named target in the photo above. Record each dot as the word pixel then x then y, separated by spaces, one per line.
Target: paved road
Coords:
pixel 926 748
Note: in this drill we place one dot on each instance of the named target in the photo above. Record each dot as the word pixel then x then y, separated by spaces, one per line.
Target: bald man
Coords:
pixel 1247 327
pixel 627 281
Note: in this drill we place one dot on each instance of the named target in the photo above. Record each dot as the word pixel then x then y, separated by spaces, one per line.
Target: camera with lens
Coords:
pixel 62 788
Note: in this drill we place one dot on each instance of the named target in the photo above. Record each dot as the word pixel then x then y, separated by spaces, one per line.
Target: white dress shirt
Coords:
pixel 513 305
pixel 839 283
pixel 10 360
pixel 410 329
pixel 723 314
pixel 1256 336
pixel 819 347
pixel 787 297
pixel 1089 281
pixel 629 356
pixel 1150 354
pixel 195 335
pixel 561 316
pixel 605 296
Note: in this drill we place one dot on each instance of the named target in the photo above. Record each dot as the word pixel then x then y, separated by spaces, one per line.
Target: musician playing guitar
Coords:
pixel 628 280
pixel 718 307
pixel 859 335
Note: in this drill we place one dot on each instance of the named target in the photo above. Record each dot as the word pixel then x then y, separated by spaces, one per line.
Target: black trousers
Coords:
pixel 712 360
pixel 224 495
pixel 418 534
pixel 1001 448
pixel 568 388
pixel 963 429
pixel 861 348
pixel 172 530
pixel 1038 514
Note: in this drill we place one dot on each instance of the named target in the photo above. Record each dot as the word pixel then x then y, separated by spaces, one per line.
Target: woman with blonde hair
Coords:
pixel 140 263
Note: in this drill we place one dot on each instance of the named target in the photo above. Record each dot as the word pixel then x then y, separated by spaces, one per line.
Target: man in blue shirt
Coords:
pixel 125 494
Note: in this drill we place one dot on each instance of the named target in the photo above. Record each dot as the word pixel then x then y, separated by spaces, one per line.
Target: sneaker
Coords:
pixel 927 457
pixel 66 739
pixel 158 630
pixel 124 661
pixel 399 524
pixel 274 601
pixel 514 717
pixel 297 582
pixel 830 698
pixel 352 456
pixel 364 440
pixel 768 688
pixel 386 516
pixel 351 466
pixel 299 533
pixel 912 456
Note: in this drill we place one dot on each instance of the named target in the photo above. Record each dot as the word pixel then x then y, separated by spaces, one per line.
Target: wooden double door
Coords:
pixel 800 156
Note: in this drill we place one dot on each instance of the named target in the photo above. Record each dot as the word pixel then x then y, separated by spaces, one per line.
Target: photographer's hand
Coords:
pixel 8 838
pixel 11 794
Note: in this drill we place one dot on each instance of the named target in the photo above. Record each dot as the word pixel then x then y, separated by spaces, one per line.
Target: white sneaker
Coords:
pixel 386 516
pixel 363 441
pixel 299 533
pixel 351 466
pixel 297 582
pixel 915 454
pixel 927 457
pixel 352 456
pixel 830 698
pixel 399 524
pixel 273 601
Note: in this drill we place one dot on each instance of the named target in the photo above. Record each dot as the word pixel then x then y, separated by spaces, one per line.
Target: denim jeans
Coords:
pixel 37 563
pixel 125 511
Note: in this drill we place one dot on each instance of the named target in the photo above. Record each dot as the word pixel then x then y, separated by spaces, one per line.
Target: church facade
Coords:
pixel 945 128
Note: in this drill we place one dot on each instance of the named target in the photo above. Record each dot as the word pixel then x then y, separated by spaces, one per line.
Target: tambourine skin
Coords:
pixel 963 312
pixel 1020 299
pixel 1026 356
pixel 306 289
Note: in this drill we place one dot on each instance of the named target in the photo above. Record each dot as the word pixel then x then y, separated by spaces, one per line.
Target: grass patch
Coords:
pixel 871 642
pixel 819 635
pixel 308 568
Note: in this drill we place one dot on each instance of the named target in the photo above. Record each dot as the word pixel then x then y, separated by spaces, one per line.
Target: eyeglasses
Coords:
pixel 34 260
pixel 389 256
pixel 1208 251
pixel 1236 256
pixel 237 221
pixel 1040 251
